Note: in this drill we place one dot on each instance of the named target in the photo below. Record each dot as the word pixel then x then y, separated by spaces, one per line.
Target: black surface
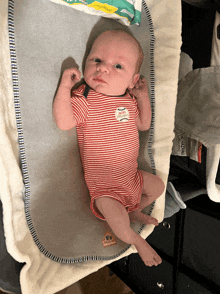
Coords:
pixel 197 31
pixel 206 206
pixel 200 252
pixel 194 265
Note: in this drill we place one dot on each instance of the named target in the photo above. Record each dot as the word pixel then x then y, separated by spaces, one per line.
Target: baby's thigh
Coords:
pixel 152 184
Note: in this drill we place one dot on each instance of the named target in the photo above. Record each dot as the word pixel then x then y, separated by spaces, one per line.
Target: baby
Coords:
pixel 108 110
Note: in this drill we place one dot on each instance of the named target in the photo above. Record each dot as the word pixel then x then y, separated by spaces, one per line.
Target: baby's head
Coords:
pixel 113 63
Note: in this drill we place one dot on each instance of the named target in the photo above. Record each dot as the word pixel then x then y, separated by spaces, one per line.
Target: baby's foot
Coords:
pixel 137 215
pixel 147 253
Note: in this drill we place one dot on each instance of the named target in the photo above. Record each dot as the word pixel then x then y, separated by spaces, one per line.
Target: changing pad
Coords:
pixel 49 224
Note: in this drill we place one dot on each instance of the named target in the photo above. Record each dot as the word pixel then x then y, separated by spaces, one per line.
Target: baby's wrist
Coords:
pixel 142 96
pixel 66 86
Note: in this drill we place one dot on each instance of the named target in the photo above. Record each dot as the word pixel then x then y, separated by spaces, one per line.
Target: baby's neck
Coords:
pixel 106 94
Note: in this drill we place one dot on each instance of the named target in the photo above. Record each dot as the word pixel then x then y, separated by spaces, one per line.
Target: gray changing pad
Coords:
pixel 56 198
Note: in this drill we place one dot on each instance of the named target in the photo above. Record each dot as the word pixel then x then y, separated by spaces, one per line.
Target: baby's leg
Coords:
pixel 118 220
pixel 153 187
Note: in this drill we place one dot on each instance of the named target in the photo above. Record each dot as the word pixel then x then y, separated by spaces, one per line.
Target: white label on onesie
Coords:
pixel 122 114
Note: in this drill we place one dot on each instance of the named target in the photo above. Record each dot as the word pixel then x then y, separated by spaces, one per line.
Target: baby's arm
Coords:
pixel 62 108
pixel 140 91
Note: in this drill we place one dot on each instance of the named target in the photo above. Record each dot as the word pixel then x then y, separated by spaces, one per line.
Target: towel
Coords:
pixel 199 99
pixel 213 153
pixel 198 106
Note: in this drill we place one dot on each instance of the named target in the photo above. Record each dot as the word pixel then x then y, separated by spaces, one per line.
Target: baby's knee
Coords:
pixel 160 186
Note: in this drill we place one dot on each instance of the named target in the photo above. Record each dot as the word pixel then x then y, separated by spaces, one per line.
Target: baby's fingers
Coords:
pixel 143 80
pixel 138 84
pixel 74 73
pixel 70 77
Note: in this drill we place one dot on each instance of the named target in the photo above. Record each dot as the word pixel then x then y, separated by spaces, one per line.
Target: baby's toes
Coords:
pixel 150 263
pixel 148 219
pixel 157 259
pixel 153 220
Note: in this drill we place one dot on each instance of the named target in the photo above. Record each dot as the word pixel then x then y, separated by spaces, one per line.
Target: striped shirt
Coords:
pixel 109 145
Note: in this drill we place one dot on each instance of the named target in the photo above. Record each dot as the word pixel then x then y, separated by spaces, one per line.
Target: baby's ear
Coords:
pixel 134 81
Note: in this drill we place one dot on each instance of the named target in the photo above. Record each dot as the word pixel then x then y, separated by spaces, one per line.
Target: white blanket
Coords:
pixel 213 153
pixel 41 275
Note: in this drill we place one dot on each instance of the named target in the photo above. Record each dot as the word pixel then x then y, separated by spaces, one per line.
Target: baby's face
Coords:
pixel 111 65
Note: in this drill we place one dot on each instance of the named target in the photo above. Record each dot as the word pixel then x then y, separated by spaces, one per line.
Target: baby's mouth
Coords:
pixel 99 79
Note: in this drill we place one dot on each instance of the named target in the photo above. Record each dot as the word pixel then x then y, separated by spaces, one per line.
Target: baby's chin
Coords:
pixel 102 90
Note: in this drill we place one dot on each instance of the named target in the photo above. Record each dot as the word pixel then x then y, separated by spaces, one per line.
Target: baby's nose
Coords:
pixel 103 67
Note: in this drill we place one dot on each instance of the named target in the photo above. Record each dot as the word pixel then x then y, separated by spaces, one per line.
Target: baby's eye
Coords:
pixel 118 66
pixel 97 60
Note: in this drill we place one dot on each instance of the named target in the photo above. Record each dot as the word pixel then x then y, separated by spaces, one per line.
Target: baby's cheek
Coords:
pixel 87 79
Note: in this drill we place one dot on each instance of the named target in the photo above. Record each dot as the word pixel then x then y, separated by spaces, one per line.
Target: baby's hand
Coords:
pixel 70 77
pixel 140 89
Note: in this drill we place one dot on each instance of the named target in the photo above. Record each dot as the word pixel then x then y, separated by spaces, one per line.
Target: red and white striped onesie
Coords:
pixel 109 145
